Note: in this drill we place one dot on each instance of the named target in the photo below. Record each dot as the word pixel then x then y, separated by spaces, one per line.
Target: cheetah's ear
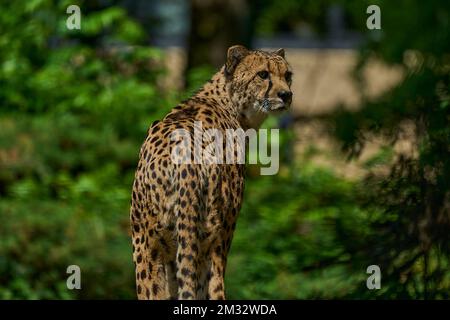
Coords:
pixel 280 52
pixel 234 56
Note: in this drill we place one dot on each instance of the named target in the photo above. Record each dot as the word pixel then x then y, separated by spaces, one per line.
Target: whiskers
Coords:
pixel 263 107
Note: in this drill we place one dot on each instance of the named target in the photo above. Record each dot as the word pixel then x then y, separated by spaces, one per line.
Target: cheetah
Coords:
pixel 183 215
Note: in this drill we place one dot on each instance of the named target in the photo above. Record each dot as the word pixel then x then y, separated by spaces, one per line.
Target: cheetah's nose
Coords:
pixel 286 96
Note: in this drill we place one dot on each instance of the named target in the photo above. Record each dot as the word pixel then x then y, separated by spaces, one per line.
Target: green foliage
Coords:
pixel 306 255
pixel 284 15
pixel 413 244
pixel 306 18
pixel 72 118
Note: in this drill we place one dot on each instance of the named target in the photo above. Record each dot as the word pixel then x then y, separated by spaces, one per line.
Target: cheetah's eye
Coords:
pixel 288 76
pixel 263 74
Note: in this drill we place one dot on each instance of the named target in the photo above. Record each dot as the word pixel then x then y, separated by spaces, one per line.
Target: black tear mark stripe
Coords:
pixel 268 89
pixel 266 95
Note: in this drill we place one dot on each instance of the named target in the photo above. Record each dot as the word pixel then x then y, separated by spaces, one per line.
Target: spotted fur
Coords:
pixel 183 215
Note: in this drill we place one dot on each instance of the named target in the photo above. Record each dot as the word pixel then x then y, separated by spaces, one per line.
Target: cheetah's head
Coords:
pixel 258 81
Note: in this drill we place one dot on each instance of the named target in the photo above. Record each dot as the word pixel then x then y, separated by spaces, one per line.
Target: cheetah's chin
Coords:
pixel 279 107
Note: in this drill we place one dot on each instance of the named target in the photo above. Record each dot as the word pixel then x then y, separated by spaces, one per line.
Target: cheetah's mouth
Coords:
pixel 271 105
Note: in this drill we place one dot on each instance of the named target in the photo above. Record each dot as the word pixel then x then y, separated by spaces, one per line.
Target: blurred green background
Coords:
pixel 75 106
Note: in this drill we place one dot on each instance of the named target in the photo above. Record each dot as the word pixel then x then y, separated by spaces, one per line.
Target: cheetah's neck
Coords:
pixel 216 92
